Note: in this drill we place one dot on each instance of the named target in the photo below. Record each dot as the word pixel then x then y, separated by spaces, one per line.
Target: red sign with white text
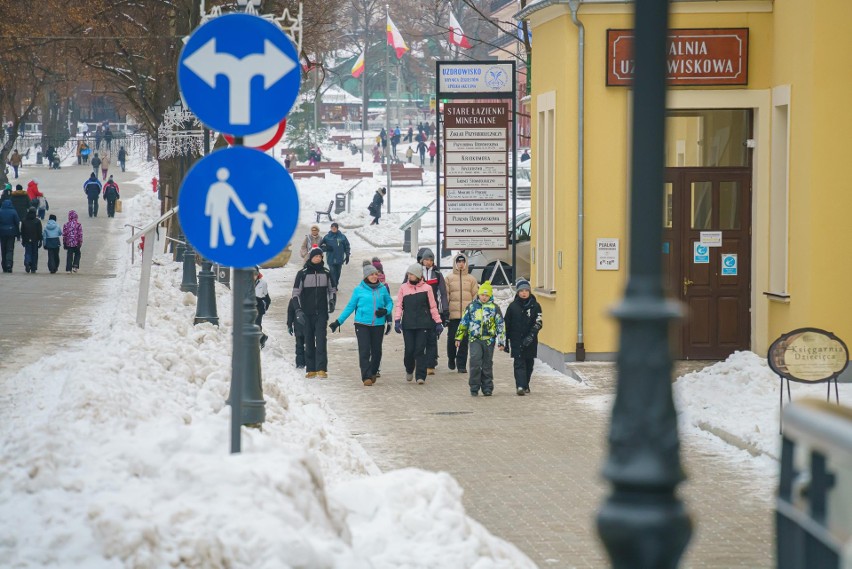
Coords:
pixel 694 57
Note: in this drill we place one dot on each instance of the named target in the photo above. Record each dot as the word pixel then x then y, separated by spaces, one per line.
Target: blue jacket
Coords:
pixel 51 234
pixel 10 223
pixel 336 247
pixel 365 301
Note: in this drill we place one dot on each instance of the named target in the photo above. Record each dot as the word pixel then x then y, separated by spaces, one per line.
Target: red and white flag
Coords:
pixel 457 36
pixel 395 39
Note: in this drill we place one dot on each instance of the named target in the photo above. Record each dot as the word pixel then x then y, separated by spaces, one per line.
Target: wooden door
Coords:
pixel 714 282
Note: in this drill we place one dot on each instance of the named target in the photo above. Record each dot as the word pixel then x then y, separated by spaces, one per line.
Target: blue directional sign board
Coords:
pixel 239 74
pixel 238 207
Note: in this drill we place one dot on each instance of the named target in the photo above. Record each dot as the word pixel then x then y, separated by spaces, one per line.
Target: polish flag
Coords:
pixel 395 39
pixel 457 36
pixel 358 68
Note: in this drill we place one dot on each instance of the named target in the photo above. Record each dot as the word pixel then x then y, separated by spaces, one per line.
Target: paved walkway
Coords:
pixel 530 465
pixel 41 312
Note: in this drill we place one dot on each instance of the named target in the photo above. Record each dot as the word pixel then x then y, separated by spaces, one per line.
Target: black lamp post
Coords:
pixel 643 523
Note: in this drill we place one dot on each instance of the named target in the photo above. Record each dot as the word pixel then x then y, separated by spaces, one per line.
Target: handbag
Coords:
pixel 117 206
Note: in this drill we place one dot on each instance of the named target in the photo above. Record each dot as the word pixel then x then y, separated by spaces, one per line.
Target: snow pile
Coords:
pixel 738 399
pixel 126 464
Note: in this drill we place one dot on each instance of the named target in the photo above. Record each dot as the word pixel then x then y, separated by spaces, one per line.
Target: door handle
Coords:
pixel 686 283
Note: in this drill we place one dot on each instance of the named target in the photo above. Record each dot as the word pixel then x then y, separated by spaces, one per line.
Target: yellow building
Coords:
pixel 758 213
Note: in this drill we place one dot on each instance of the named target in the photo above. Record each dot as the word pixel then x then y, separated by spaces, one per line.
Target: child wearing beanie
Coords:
pixel 482 323
pixel 523 321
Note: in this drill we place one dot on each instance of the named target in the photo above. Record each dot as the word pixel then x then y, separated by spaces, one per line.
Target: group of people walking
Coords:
pixel 94 191
pixel 426 304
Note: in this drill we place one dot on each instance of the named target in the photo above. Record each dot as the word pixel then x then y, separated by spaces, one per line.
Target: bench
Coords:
pixel 300 175
pixel 326 213
pixel 304 168
pixel 342 138
pixel 400 168
pixel 408 175
pixel 330 164
pixel 355 175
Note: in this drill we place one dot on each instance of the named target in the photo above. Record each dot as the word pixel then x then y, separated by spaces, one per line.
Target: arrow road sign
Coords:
pixel 239 74
pixel 238 207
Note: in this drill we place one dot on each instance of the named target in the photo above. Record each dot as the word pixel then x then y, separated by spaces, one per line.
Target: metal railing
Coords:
pixel 813 514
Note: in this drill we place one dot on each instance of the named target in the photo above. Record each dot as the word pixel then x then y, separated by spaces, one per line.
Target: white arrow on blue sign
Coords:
pixel 239 74
pixel 238 207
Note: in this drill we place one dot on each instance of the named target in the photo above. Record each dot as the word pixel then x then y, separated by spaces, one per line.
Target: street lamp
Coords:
pixel 254 3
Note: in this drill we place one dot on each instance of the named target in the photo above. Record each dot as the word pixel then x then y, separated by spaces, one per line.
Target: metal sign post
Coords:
pixel 240 206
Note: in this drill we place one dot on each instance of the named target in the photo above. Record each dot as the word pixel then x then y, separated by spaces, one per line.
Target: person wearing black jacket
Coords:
pixel 31 234
pixel 10 231
pixel 435 279
pixel 375 207
pixel 523 321
pixel 315 290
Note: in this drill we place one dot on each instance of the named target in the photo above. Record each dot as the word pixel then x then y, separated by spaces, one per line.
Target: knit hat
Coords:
pixel 370 270
pixel 334 224
pixel 460 257
pixel 485 288
pixel 427 254
pixel 365 262
pixel 51 216
pixel 378 265
pixel 314 226
pixel 522 284
pixel 415 269
pixel 315 252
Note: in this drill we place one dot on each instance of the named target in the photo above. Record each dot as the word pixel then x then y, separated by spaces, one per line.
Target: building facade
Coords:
pixel 756 209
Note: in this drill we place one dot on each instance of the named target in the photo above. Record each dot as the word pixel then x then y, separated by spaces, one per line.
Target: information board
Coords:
pixel 476 175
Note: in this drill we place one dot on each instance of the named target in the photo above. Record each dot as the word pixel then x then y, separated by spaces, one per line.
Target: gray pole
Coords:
pixel 205 307
pixel 190 279
pixel 253 405
pixel 387 114
pixel 643 523
pixel 235 398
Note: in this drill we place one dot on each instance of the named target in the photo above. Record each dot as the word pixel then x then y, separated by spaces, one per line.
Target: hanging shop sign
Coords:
pixel 476 175
pixel 716 56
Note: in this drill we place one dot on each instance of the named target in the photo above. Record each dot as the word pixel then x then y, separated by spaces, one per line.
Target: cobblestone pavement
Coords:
pixel 530 466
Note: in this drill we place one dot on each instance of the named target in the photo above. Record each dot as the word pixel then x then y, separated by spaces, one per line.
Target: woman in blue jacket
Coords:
pixel 373 306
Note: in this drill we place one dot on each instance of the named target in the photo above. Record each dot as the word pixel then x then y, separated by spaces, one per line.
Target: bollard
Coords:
pixel 406 242
pixel 253 405
pixel 205 307
pixel 178 248
pixel 190 281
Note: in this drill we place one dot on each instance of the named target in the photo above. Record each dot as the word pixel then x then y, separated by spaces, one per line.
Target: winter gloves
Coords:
pixel 290 329
pixel 346 260
pixel 334 326
pixel 300 317
pixel 445 318
pixel 528 339
pixel 387 328
pixel 397 325
pixel 438 329
pixel 381 312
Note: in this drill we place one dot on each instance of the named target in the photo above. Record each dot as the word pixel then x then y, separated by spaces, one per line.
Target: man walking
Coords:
pixel 315 291
pixel 92 189
pixel 336 245
pixel 111 196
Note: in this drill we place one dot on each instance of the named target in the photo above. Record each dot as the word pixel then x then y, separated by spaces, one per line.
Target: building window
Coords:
pixel 779 192
pixel 545 226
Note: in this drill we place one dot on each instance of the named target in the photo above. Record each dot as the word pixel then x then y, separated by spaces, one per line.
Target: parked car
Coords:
pixel 524 181
pixel 485 261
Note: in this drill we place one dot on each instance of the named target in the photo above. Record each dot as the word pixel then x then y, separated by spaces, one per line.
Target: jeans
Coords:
pixel 93 207
pixel 31 256
pixel 53 259
pixel 316 354
pixel 72 259
pixel 481 366
pixel 415 351
pixel 7 252
pixel 110 208
pixel 456 355
pixel 523 371
pixel 370 340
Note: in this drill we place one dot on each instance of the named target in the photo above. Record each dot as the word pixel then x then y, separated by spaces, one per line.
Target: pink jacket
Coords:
pixel 414 299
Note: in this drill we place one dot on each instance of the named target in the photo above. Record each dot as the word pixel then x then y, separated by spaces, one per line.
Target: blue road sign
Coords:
pixel 239 74
pixel 238 207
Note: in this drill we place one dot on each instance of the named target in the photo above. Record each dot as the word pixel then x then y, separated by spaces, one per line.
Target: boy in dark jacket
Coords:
pixel 92 189
pixel 315 291
pixel 434 278
pixel 31 231
pixel 523 321
pixel 10 231
pixel 295 328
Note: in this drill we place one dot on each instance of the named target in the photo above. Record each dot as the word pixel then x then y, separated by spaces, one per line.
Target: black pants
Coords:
pixel 31 256
pixel 72 259
pixel 456 355
pixel 432 349
pixel 369 348
pixel 53 259
pixel 415 351
pixel 316 355
pixel 523 371
pixel 93 207
pixel 300 350
pixel 7 253
pixel 110 208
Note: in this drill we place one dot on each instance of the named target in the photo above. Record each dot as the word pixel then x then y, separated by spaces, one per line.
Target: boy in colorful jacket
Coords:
pixel 482 323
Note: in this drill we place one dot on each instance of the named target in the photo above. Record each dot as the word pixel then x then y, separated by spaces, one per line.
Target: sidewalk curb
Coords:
pixel 734 440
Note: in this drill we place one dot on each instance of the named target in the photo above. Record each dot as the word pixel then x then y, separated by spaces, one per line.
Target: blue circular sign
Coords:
pixel 730 261
pixel 701 250
pixel 240 74
pixel 238 207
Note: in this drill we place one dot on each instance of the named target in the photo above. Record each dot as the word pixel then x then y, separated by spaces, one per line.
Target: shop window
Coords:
pixel 708 138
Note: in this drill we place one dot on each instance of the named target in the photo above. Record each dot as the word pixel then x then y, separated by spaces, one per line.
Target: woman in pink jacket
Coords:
pixel 415 313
